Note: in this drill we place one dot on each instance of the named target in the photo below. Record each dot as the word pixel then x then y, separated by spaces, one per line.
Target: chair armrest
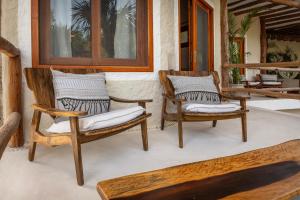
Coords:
pixel 57 112
pixel 120 100
pixel 174 99
pixel 232 97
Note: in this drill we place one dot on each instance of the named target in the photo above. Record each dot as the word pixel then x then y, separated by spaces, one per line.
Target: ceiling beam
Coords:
pixel 283 22
pixel 282 13
pixel 282 17
pixel 264 7
pixel 287 26
pixel 290 3
pixel 235 3
pixel 247 5
pixel 266 13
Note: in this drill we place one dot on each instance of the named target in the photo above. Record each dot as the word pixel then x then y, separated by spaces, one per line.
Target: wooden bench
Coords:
pixel 269 173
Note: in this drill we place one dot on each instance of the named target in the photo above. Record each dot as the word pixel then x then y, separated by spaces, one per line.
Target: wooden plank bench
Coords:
pixel 269 173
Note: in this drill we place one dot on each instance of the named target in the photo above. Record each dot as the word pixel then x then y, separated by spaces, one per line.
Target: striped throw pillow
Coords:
pixel 196 89
pixel 78 92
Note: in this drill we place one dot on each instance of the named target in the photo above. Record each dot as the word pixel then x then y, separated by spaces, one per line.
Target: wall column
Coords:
pixel 224 42
pixel 263 41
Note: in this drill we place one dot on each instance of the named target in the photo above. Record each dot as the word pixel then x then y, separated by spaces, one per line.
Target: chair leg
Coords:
pixel 162 124
pixel 163 111
pixel 77 150
pixel 214 123
pixel 144 135
pixel 180 134
pixel 31 152
pixel 78 162
pixel 35 125
pixel 244 127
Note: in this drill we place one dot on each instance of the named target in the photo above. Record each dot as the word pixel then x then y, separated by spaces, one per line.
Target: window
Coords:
pixel 113 35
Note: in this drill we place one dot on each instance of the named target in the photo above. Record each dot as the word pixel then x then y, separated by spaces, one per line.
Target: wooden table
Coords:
pixel 270 173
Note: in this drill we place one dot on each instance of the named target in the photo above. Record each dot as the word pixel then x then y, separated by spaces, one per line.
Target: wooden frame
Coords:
pixel 181 116
pixel 9 127
pixel 13 95
pixel 205 6
pixel 39 81
pixel 193 33
pixel 80 63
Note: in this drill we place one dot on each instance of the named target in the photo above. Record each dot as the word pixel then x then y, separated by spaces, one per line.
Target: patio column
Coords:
pixel 224 43
pixel 13 85
pixel 263 41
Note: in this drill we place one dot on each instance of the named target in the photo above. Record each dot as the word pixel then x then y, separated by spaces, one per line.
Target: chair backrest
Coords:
pixel 269 77
pixel 168 87
pixel 39 81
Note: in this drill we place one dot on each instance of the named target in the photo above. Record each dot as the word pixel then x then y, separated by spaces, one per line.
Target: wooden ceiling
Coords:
pixel 280 18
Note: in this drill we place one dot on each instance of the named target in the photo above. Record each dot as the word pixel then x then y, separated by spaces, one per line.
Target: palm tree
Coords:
pixel 81 16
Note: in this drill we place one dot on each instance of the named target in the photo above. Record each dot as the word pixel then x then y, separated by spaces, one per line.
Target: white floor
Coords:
pixel 52 175
pixel 275 104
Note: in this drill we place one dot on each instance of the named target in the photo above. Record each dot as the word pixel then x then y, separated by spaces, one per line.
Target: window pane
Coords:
pixel 70 28
pixel 202 42
pixel 118 29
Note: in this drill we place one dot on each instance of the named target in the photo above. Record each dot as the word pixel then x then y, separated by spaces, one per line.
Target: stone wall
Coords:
pixel 9 30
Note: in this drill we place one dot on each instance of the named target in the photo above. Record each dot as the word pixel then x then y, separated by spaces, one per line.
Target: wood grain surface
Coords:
pixel 269 173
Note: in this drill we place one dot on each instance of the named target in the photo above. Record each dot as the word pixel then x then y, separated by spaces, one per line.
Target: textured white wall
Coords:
pixel 126 85
pixel 10 33
pixel 252 45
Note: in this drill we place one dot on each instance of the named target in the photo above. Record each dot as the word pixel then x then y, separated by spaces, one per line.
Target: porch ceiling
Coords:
pixel 281 17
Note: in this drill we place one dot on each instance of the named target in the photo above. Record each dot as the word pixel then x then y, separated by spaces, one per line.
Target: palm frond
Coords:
pixel 81 16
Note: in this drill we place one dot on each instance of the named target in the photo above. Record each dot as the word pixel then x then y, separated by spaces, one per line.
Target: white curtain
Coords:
pixel 125 36
pixel 61 12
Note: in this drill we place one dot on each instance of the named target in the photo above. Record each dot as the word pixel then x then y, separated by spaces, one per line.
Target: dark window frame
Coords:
pixel 143 63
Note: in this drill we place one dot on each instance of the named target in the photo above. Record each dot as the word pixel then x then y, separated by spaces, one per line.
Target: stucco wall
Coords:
pixel 127 85
pixel 281 46
pixel 252 45
pixel 9 16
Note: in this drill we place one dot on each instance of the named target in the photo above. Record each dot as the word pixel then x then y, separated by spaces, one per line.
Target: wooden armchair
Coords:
pixel 181 116
pixel 256 83
pixel 40 83
pixel 269 81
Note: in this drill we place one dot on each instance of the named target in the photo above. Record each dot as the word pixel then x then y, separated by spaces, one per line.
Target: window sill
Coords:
pixel 103 68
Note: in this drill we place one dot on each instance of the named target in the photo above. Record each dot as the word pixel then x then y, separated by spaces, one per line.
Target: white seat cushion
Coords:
pixel 99 121
pixel 253 83
pixel 206 108
pixel 272 83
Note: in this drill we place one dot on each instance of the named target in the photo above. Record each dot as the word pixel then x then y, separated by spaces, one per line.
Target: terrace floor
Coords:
pixel 52 175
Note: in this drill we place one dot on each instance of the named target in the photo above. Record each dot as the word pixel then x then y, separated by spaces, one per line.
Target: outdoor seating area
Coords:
pixel 264 81
pixel 52 173
pixel 150 99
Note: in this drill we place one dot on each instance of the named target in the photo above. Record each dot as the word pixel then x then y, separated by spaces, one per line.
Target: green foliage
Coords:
pixel 287 55
pixel 236 30
pixel 81 16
